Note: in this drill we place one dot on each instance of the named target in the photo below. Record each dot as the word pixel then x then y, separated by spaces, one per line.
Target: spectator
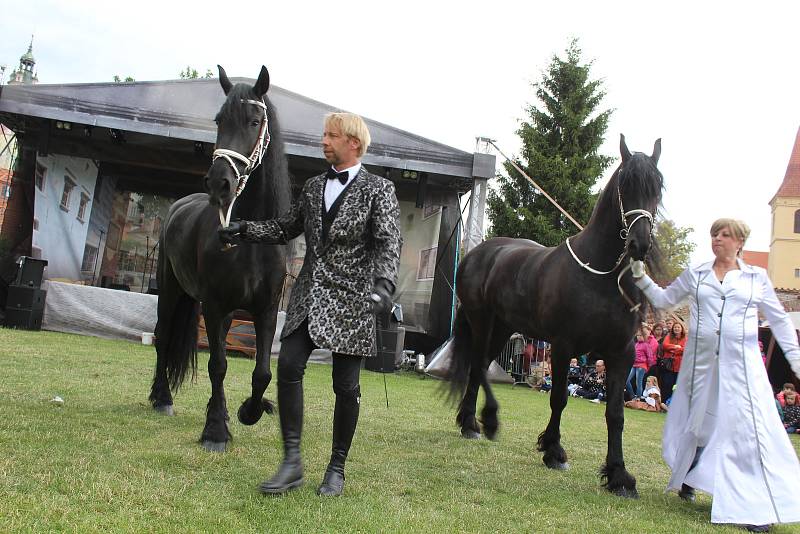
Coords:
pixel 673 355
pixel 574 373
pixel 791 413
pixel 652 358
pixel 594 385
pixel 641 361
pixel 781 396
pixel 652 398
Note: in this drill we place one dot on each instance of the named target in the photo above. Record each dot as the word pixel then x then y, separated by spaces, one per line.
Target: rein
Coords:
pixel 250 163
pixel 623 234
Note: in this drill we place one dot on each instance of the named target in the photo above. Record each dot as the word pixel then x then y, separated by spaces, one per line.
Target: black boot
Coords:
pixel 290 410
pixel 345 417
pixel 687 493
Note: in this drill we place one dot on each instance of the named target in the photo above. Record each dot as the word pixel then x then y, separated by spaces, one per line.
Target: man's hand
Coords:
pixel 381 296
pixel 231 233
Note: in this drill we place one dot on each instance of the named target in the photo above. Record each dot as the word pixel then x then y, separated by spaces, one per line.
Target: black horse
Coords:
pixel 194 267
pixel 515 285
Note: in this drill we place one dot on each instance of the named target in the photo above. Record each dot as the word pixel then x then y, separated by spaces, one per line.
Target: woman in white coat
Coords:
pixel 723 434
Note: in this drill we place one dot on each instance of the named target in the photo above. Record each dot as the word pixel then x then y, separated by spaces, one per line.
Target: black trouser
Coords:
pixel 293 357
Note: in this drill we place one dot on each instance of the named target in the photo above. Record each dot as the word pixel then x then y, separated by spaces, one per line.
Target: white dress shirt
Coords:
pixel 334 188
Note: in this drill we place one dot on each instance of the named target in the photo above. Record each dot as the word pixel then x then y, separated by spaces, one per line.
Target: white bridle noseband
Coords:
pixel 623 234
pixel 250 163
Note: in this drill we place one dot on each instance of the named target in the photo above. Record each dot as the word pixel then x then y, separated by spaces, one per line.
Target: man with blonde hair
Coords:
pixel 351 223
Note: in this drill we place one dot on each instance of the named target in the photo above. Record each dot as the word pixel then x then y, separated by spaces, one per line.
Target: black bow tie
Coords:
pixel 341 176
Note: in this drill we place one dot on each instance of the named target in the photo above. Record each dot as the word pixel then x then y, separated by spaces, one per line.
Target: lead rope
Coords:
pixel 623 234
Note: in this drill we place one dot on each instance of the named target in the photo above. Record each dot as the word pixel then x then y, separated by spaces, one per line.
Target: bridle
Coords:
pixel 623 234
pixel 250 163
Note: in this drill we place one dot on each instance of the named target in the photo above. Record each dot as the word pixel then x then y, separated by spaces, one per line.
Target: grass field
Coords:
pixel 104 461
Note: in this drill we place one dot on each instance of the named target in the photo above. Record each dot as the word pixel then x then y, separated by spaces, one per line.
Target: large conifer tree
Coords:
pixel 560 142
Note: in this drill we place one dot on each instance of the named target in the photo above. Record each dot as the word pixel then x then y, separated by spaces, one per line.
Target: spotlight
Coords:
pixel 410 175
pixel 199 148
pixel 63 125
pixel 87 131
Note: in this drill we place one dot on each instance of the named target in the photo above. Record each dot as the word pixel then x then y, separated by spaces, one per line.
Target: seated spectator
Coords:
pixel 594 385
pixel 574 373
pixel 652 398
pixel 791 413
pixel 788 386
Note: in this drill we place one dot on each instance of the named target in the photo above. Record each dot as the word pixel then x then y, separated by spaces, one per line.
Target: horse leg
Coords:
pixel 169 295
pixel 489 419
pixel 466 408
pixel 617 479
pixel 216 434
pixel 253 407
pixel 555 457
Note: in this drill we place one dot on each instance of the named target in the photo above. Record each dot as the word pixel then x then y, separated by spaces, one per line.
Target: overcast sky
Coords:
pixel 719 82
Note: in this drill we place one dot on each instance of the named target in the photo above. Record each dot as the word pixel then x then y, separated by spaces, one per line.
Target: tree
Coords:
pixel 676 248
pixel 192 74
pixel 117 79
pixel 560 142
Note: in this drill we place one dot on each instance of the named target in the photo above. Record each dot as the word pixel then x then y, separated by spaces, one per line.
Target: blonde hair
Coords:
pixel 738 228
pixel 350 125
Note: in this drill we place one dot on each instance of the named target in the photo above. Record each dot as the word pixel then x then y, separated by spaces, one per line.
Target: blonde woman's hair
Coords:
pixel 351 125
pixel 738 228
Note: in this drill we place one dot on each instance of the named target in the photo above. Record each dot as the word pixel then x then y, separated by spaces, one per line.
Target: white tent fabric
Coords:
pixel 440 360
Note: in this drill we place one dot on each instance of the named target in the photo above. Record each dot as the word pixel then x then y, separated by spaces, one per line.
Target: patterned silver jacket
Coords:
pixel 336 280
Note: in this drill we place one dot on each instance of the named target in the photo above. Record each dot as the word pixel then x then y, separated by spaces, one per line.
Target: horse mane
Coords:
pixel 274 166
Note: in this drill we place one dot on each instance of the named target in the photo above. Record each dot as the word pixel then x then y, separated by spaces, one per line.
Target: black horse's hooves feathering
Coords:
pixel 470 434
pixel 556 465
pixel 214 446
pixel 165 409
pixel 627 493
pixel 269 407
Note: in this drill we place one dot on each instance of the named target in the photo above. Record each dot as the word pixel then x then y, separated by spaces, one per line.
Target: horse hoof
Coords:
pixel 626 493
pixel 246 417
pixel 470 434
pixel 490 434
pixel 556 465
pixel 165 409
pixel 269 406
pixel 214 446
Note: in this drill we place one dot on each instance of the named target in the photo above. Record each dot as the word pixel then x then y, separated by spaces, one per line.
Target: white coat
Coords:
pixel 723 412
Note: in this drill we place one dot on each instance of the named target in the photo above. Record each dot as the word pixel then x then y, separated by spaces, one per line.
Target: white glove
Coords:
pixel 637 268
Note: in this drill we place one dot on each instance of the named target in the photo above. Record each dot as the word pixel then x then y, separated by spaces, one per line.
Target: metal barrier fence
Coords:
pixel 525 359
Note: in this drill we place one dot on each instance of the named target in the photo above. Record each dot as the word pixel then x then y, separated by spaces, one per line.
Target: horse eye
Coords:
pixel 255 122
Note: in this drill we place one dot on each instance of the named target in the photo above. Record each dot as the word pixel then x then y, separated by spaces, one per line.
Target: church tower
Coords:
pixel 784 247
pixel 24 73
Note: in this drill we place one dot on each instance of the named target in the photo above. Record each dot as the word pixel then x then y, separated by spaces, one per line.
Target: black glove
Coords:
pixel 231 234
pixel 382 296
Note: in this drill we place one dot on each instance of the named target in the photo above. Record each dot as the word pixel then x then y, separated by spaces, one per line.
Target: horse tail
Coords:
pixel 461 362
pixel 176 329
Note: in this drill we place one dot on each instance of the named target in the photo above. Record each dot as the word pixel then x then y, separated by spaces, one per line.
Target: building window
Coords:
pixel 430 211
pixel 427 264
pixel 35 223
pixel 69 185
pixel 797 222
pixel 6 194
pixel 797 273
pixel 41 174
pixel 89 258
pixel 82 207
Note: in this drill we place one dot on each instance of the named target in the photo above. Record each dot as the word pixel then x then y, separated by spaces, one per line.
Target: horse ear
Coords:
pixel 262 84
pixel 223 80
pixel 656 151
pixel 623 149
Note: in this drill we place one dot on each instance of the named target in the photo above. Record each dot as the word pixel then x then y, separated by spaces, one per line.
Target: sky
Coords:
pixel 716 81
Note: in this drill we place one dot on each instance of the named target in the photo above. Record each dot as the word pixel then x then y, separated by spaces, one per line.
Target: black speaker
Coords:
pixel 387 340
pixel 30 272
pixel 25 319
pixel 26 298
pixel 382 362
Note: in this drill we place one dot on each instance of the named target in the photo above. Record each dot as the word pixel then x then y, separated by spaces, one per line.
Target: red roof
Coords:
pixel 752 257
pixel 791 182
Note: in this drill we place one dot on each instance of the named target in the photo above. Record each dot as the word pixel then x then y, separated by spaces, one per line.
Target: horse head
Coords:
pixel 638 191
pixel 242 139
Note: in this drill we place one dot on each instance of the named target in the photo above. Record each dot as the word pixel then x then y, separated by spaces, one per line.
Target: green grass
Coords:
pixel 104 461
